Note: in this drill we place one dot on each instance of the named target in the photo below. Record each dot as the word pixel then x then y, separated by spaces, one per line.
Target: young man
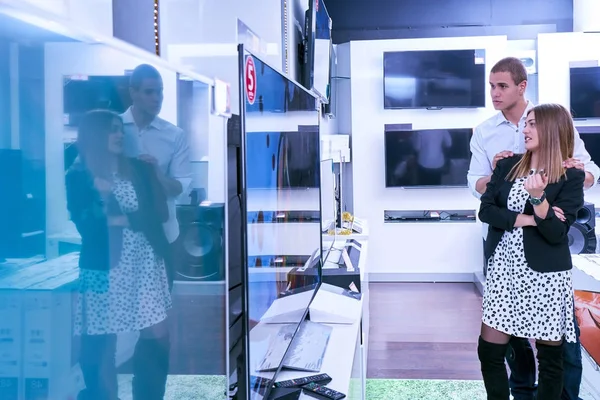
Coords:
pixel 157 141
pixel 161 143
pixel 499 137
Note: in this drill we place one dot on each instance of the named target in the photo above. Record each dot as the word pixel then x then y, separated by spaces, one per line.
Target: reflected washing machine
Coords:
pixel 200 254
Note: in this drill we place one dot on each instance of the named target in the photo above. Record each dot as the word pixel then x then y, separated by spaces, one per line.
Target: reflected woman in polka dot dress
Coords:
pixel 529 292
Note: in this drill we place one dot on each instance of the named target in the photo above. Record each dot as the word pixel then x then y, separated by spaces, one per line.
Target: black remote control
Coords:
pixel 259 381
pixel 322 392
pixel 322 379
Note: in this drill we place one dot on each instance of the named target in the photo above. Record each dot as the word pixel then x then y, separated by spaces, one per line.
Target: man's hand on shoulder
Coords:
pixel 577 164
pixel 500 156
pixel 573 163
pixel 149 159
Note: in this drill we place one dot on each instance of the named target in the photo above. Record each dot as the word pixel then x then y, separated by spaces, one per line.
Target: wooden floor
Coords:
pixel 424 331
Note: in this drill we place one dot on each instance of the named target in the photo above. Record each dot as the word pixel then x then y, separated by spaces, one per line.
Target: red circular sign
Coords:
pixel 250 80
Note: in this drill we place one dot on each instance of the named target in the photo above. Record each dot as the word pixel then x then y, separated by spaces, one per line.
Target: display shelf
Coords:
pixel 364 235
pixel 337 362
pixel 345 357
pixel 429 216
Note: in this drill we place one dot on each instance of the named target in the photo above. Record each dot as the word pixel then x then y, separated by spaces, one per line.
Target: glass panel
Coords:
pixel 112 249
pixel 282 179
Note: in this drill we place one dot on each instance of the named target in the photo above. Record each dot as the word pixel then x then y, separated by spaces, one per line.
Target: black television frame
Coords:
pixel 73 120
pixel 309 46
pixel 483 82
pixel 572 69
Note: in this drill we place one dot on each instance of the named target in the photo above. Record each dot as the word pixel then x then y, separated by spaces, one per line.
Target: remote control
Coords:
pixel 322 392
pixel 322 379
pixel 259 381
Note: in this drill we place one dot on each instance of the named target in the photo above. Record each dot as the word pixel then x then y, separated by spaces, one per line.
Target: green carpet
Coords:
pixel 408 389
pixel 183 387
pixel 210 387
pixel 429 389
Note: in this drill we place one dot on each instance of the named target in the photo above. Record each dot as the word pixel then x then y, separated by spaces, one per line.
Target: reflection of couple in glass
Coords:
pixel 120 195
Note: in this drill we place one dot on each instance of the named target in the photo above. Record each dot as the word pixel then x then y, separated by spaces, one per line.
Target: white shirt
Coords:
pixel 497 134
pixel 169 145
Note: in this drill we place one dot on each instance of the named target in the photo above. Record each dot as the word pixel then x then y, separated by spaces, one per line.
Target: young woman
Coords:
pixel 528 291
pixel 118 207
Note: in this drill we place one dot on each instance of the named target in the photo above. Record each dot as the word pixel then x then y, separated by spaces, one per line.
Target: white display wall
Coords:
pixel 409 251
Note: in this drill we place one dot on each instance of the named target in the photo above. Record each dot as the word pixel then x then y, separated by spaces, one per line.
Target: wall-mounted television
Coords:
pixel 317 49
pixel 85 93
pixel 585 92
pixel 434 79
pixel 591 139
pixel 427 157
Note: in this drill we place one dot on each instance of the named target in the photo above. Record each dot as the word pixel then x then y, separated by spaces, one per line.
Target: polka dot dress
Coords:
pixel 131 296
pixel 520 301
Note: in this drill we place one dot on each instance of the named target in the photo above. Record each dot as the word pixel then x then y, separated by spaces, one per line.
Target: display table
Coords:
pixel 346 352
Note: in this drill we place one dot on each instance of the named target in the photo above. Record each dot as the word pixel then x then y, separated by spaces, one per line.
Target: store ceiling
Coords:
pixel 388 19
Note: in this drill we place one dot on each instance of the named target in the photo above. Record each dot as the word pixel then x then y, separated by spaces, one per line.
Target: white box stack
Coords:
pixel 35 328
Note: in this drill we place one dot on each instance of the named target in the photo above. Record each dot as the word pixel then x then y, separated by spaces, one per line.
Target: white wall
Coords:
pixel 79 58
pixel 203 35
pixel 585 15
pixel 412 249
pixel 555 51
pixel 93 15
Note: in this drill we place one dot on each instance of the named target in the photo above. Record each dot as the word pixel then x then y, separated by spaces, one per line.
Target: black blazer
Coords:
pixel 101 244
pixel 546 245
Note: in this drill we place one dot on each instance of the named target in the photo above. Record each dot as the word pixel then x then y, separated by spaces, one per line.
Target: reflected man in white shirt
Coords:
pixel 166 146
pixel 500 137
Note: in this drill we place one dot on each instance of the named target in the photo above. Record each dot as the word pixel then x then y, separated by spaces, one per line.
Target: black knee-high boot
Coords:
pixel 97 362
pixel 550 380
pixel 493 369
pixel 150 368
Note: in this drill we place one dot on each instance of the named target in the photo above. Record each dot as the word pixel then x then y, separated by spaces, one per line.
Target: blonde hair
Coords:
pixel 556 136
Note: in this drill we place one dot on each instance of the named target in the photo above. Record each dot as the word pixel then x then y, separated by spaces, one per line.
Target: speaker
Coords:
pixel 200 254
pixel 582 234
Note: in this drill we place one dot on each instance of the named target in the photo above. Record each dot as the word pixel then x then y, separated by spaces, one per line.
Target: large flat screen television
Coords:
pixel 280 187
pixel 427 157
pixel 585 92
pixel 434 79
pixel 317 49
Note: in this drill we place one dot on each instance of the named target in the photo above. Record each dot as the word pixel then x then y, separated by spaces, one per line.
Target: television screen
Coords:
pixel 585 92
pixel 434 79
pixel 587 312
pixel 428 157
pixel 283 160
pixel 85 93
pixel 592 144
pixel 321 55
